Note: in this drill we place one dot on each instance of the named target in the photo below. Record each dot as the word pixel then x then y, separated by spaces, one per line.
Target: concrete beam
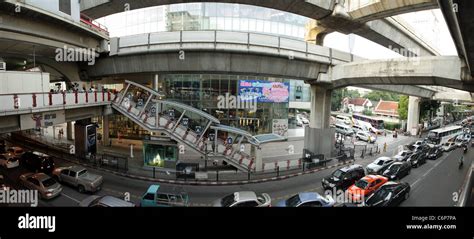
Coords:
pixel 206 62
pixel 411 90
pixel 315 9
pixel 379 9
pixel 22 26
pixel 443 71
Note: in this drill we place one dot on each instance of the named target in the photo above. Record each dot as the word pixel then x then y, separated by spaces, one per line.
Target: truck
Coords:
pixel 79 177
pixel 153 197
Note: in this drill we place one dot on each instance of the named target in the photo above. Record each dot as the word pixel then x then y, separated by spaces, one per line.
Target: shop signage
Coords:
pixel 264 91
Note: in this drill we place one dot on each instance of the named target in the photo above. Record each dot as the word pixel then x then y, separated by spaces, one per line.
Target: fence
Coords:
pixel 107 161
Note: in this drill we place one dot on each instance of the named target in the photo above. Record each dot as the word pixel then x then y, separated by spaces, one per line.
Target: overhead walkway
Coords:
pixel 192 127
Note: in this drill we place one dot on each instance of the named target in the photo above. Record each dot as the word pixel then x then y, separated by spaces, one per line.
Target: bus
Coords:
pixel 376 125
pixel 441 136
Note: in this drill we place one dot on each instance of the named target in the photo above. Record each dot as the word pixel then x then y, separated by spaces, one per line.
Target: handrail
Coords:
pixel 305 47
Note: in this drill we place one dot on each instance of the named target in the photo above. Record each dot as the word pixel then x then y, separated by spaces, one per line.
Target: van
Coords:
pixel 358 128
pixel 344 119
pixel 344 129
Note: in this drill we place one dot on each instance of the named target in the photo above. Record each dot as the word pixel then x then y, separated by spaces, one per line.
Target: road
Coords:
pixel 433 184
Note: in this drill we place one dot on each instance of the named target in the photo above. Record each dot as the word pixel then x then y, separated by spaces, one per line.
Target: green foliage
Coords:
pixel 403 107
pixel 387 96
pixel 367 112
pixel 339 94
pixel 391 126
pixel 427 107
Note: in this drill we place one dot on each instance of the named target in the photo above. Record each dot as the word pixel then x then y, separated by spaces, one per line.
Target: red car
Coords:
pixel 365 186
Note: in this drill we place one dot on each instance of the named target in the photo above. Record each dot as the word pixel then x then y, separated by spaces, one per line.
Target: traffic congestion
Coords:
pixel 379 183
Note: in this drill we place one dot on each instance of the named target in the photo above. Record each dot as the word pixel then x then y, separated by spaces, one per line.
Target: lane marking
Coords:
pixel 73 199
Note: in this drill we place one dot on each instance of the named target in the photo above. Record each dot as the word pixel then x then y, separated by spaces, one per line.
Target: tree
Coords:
pixel 427 107
pixel 403 107
pixel 376 95
pixel 339 94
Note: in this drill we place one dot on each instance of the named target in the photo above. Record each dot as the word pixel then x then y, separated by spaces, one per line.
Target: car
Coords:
pixel 299 122
pixel 417 159
pixel 435 152
pixel 356 128
pixel 304 120
pixel 47 187
pixel 10 162
pixel 379 165
pixel 79 177
pixel 13 152
pixel 344 129
pixel 397 170
pixel 423 148
pixel 365 136
pixel 459 141
pixel 390 194
pixel 244 199
pixel 402 155
pixel 3 184
pixel 343 177
pixel 37 162
pixel 105 201
pixel 419 143
pixel 307 199
pixel 365 186
pixel 448 146
pixel 154 198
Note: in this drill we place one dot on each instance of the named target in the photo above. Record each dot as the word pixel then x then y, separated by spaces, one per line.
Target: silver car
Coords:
pixel 79 177
pixel 244 199
pixel 104 201
pixel 46 186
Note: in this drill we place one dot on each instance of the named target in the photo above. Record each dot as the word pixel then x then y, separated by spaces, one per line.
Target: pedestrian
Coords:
pixel 385 147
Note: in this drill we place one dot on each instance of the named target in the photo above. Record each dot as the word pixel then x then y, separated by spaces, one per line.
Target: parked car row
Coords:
pixel 45 177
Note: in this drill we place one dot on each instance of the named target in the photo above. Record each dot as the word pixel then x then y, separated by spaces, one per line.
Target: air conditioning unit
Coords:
pixel 3 66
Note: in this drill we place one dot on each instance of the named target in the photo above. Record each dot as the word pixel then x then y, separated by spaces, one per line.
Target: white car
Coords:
pixel 10 162
pixel 364 136
pixel 379 165
pixel 448 146
pixel 244 199
pixel 304 120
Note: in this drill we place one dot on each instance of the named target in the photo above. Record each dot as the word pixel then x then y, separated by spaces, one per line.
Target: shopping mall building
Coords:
pixel 278 99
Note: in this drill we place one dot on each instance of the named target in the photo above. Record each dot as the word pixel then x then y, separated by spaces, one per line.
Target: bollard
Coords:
pixel 304 166
pixel 153 172
pixel 362 154
pixel 278 171
pixel 249 175
pixel 217 175
pixel 370 152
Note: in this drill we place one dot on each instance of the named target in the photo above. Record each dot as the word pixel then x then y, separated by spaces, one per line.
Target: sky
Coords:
pixel 430 25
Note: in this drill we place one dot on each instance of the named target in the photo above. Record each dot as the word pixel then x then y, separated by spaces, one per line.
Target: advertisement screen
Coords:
pixel 264 91
pixel 91 139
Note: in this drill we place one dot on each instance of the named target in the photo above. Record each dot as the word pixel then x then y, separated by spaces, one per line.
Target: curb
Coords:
pixel 207 183
pixel 197 183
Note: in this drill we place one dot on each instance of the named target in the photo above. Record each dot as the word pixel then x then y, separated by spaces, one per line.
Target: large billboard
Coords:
pixel 264 91
pixel 39 120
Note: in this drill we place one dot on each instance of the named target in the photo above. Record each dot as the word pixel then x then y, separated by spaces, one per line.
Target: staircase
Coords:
pixel 152 113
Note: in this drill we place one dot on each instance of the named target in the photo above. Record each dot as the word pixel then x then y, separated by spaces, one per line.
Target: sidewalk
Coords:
pixel 217 176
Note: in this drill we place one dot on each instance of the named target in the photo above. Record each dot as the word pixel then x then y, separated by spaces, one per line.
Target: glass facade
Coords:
pixel 206 16
pixel 203 91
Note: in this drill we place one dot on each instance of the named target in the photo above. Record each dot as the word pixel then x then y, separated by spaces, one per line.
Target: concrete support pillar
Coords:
pixel 105 130
pixel 256 152
pixel 413 115
pixel 319 137
pixel 69 131
pixel 156 82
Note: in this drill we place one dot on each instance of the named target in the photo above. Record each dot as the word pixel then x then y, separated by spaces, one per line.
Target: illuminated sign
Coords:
pixel 264 91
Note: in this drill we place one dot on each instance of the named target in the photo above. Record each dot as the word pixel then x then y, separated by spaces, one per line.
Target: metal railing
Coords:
pixel 227 41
